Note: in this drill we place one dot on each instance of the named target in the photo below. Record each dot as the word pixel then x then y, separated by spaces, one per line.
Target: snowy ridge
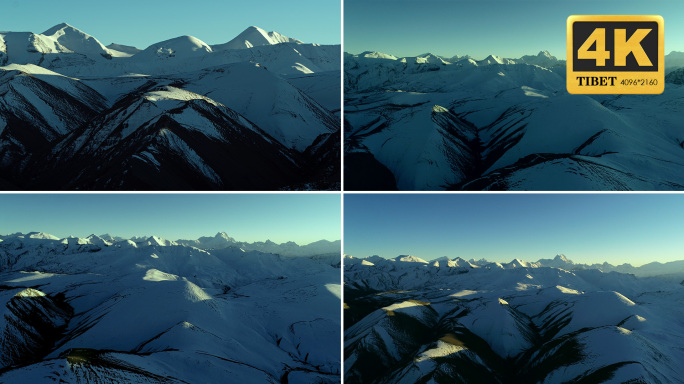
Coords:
pixel 497 137
pixel 510 322
pixel 180 47
pixel 543 58
pixel 147 309
pixel 220 241
pixel 178 115
pixel 671 270
pixel 120 50
pixel 254 37
pixel 77 41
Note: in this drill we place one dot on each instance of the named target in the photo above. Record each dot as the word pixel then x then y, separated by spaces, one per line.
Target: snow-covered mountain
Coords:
pixel 254 37
pixel 181 47
pixel 77 41
pixel 179 114
pixel 221 240
pixel 106 310
pixel 503 124
pixel 408 322
pixel 674 60
pixel 120 50
pixel 673 270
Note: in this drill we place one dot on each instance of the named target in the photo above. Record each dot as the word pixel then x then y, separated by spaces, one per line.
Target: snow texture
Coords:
pixel 106 309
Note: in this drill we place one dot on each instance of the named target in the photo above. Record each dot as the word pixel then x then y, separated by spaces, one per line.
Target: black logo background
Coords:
pixel 582 29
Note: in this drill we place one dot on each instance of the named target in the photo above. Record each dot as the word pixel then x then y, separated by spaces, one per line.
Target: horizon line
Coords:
pixel 148 236
pixel 559 58
pixel 515 258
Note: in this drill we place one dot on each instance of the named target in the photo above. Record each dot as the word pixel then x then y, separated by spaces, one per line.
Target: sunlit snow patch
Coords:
pixel 31 276
pixel 439 109
pixel 532 92
pixel 335 289
pixel 463 293
pixel 567 290
pixel 408 307
pixel 302 68
pixel 633 323
pixel 525 287
pixel 173 93
pixel 442 349
pixel 31 69
pixel 157 275
pixel 29 292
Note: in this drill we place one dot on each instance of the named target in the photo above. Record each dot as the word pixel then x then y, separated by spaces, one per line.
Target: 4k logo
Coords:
pixel 615 54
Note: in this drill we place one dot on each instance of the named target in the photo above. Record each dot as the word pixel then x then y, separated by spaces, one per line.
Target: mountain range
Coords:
pixel 221 240
pixel 673 269
pixel 260 112
pixel 470 321
pixel 147 310
pixel 437 123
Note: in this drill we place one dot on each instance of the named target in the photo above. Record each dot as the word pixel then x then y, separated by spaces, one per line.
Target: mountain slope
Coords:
pixel 254 37
pixel 180 47
pixel 37 107
pixel 528 133
pixel 175 116
pixel 152 311
pixel 410 322
pixel 168 138
pixel 276 106
pixel 77 41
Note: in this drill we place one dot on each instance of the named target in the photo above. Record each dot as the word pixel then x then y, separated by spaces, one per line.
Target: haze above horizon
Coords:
pixel 478 28
pixel 586 228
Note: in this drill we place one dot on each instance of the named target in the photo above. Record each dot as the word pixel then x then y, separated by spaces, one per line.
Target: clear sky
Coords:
pixel 141 23
pixel 587 228
pixel 302 217
pixel 478 28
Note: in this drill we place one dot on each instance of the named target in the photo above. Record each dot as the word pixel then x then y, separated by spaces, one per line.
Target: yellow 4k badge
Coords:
pixel 616 54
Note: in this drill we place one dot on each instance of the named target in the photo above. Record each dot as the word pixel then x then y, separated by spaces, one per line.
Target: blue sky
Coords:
pixel 587 228
pixel 144 22
pixel 302 218
pixel 481 27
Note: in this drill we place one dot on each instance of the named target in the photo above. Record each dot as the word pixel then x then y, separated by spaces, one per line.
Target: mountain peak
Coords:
pixel 64 28
pixel 410 259
pixel 376 55
pixel 77 41
pixel 563 259
pixel 224 236
pixel 493 59
pixel 253 37
pixel 40 235
pixel 181 46
pixel 255 28
pixel 443 258
pixel 56 28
